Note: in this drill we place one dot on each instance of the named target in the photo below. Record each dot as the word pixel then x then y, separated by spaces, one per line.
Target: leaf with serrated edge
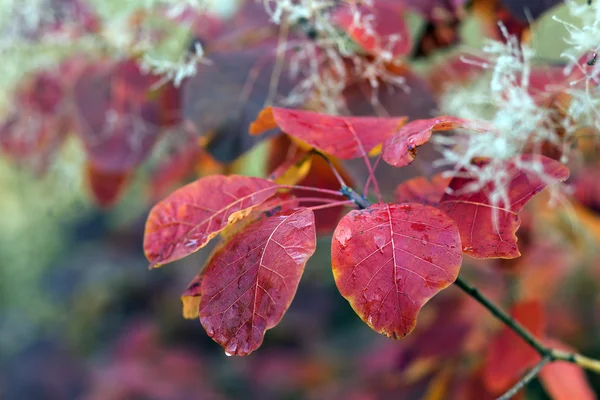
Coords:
pixel 191 216
pixel 390 259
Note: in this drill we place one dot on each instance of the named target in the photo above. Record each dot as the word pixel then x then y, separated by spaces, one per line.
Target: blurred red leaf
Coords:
pixel 343 137
pixel 38 124
pixel 563 380
pixel 106 187
pixel 118 115
pixel 422 191
pixel 381 29
pixel 390 259
pixel 251 280
pixel 401 148
pixel 195 213
pixel 474 212
pixel 509 356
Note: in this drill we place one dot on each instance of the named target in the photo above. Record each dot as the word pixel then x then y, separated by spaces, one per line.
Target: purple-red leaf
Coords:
pixel 343 137
pixel 192 215
pixel 483 234
pixel 250 282
pixel 390 259
pixel 118 115
pixel 401 149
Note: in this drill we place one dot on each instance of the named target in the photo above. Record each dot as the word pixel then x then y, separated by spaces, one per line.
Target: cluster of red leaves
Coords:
pixel 388 260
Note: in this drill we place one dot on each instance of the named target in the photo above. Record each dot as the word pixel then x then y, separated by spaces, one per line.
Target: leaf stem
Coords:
pixel 333 168
pixel 332 204
pixel 528 377
pixel 312 189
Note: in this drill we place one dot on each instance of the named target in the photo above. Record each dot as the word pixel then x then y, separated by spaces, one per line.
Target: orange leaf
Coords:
pixel 390 259
pixel 343 137
pixel 250 282
pixel 192 215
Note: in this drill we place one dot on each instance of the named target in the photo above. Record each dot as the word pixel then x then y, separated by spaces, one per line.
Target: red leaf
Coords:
pixel 250 282
pixel 401 149
pixel 563 380
pixel 118 115
pixel 106 187
pixel 343 137
pixel 385 32
pixel 390 259
pixel 420 190
pixel 195 213
pixel 473 212
pixel 509 356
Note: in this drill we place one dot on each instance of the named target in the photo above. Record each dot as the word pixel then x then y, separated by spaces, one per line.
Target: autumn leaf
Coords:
pixel 421 190
pixel 401 148
pixel 563 380
pixel 293 169
pixel 343 137
pixel 390 259
pixel 118 116
pixel 106 187
pixel 474 212
pixel 251 280
pixel 280 202
pixel 195 213
pixel 509 356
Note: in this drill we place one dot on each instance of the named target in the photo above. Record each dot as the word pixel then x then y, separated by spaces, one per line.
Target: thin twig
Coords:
pixel 331 166
pixel 332 204
pixel 502 316
pixel 553 354
pixel 528 377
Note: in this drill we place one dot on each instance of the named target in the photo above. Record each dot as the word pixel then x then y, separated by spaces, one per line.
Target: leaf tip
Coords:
pixel 264 122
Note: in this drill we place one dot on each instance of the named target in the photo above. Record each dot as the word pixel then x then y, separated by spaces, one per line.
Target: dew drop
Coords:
pixel 230 350
pixel 370 320
pixel 379 242
pixel 210 332
pixel 424 242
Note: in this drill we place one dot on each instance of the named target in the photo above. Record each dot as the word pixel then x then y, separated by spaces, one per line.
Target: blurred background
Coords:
pixel 81 317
